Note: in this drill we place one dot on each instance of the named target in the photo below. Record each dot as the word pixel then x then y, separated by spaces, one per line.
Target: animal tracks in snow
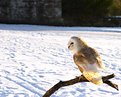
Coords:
pixel 33 60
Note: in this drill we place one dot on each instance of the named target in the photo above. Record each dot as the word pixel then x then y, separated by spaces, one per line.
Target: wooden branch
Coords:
pixel 77 80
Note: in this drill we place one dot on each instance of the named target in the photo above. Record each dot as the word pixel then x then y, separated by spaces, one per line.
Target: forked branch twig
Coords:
pixel 77 80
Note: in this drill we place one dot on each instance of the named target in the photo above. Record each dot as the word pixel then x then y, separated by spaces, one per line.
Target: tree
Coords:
pixel 86 11
pixel 116 7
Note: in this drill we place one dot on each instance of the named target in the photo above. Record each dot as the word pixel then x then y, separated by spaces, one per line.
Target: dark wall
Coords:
pixel 31 11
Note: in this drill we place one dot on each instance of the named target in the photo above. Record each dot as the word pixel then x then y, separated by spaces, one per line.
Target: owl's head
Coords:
pixel 75 44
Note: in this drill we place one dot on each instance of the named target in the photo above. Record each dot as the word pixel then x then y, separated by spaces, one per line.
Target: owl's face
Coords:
pixel 74 44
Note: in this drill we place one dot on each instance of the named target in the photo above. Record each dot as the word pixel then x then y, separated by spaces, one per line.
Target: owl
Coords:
pixel 87 59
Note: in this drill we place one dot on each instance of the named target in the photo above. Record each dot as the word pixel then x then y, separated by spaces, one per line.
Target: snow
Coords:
pixel 34 58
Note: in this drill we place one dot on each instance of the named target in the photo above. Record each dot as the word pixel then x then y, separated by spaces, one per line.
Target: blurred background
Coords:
pixel 61 12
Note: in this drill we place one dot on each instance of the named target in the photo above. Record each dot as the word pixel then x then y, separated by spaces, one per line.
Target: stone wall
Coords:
pixel 31 11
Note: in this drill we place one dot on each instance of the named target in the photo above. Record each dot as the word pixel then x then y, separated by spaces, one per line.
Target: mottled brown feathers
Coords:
pixel 88 55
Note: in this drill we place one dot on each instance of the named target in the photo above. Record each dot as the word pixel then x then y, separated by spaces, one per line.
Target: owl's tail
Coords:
pixel 93 77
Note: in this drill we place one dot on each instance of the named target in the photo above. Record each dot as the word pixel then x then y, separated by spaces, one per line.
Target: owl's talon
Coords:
pixel 79 77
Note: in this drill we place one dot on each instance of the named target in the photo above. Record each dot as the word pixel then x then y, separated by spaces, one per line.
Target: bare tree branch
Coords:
pixel 77 80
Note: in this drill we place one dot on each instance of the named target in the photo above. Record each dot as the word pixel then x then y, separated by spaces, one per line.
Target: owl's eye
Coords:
pixel 71 43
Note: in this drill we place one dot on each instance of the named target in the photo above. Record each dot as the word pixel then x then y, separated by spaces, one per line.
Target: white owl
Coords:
pixel 87 59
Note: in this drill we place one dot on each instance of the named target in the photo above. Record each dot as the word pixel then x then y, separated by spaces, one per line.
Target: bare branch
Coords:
pixel 77 80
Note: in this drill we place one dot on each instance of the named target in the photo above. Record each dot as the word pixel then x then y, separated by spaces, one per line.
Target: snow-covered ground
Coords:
pixel 34 58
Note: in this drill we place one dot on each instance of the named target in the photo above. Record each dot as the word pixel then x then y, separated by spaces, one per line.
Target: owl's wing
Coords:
pixel 92 56
pixel 98 59
pixel 99 62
